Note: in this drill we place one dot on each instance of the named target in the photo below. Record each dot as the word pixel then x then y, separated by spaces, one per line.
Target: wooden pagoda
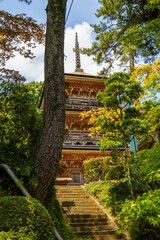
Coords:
pixel 81 90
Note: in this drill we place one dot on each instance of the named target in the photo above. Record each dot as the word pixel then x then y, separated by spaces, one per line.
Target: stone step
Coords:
pixel 86 221
pixel 93 234
pixel 69 188
pixel 71 196
pixel 104 237
pixel 76 200
pixel 91 224
pixel 74 205
pixel 77 203
pixel 70 193
pixel 81 208
pixel 87 227
pixel 101 237
pixel 90 216
pixel 81 212
pixel 84 216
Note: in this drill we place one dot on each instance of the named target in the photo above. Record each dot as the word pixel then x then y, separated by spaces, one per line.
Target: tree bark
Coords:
pixel 51 142
pixel 132 60
pixel 127 160
pixel 128 166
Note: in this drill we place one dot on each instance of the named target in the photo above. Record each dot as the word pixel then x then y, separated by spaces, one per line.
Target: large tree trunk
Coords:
pixel 51 142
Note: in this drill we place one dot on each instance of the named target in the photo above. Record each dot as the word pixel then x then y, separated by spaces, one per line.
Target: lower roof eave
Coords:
pixel 90 148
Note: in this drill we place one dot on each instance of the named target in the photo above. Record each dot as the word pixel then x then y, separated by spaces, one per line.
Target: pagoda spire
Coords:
pixel 78 61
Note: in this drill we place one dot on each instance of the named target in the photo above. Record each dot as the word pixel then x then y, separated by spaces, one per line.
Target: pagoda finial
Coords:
pixel 78 61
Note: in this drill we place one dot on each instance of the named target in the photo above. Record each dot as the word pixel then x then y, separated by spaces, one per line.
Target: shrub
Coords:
pixel 148 174
pixel 142 217
pixel 24 218
pixel 111 195
pixel 96 169
pixel 148 162
pixel 14 235
pixel 118 193
pixel 95 188
pixel 115 173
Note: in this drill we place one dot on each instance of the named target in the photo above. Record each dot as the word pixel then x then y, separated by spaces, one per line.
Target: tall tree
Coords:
pixel 20 122
pixel 128 28
pixel 113 123
pixel 51 142
pixel 20 125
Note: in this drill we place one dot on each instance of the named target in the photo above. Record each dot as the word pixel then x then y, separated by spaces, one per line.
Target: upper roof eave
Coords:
pixel 79 74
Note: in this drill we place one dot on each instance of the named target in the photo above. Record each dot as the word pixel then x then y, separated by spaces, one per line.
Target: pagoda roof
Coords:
pixel 82 74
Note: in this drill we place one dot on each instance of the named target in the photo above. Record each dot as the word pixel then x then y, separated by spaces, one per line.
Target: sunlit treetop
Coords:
pixel 149 76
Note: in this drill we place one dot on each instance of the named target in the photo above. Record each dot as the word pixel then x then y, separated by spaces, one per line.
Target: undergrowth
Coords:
pixel 141 217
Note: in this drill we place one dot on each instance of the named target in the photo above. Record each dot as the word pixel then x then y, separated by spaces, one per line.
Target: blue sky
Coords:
pixel 81 16
pixel 82 10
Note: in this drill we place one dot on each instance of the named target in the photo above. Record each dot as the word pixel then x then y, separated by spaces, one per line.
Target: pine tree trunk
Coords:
pixel 128 166
pixel 127 160
pixel 132 60
pixel 51 142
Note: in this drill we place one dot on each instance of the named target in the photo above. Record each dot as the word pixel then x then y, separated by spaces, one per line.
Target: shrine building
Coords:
pixel 81 91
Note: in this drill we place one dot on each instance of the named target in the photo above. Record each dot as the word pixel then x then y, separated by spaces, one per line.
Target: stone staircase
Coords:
pixel 84 215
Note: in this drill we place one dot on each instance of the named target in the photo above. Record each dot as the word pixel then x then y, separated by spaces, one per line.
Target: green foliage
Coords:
pixel 110 194
pixel 35 89
pixel 142 217
pixel 115 126
pixel 118 193
pixel 115 173
pixel 127 29
pixel 119 93
pixel 94 188
pixel 152 115
pixel 20 127
pixel 103 168
pixel 28 219
pixel 24 218
pixel 96 169
pixel 148 165
pixel 119 90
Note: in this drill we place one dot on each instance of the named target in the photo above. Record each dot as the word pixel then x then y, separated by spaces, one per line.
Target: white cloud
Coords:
pixel 85 39
pixel 33 69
